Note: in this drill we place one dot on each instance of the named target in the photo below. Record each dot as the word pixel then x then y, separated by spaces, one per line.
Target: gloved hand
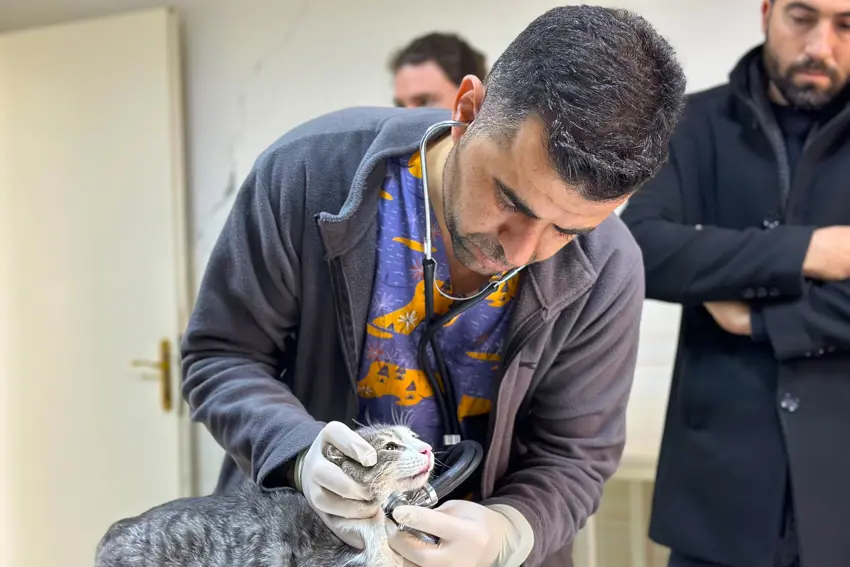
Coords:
pixel 471 535
pixel 335 496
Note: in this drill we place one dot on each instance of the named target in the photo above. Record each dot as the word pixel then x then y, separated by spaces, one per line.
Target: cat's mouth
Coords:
pixel 424 471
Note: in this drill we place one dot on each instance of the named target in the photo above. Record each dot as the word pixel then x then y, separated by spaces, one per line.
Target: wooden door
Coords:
pixel 93 282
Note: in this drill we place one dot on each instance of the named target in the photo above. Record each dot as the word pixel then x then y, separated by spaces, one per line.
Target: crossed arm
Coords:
pixel 817 323
pixel 788 286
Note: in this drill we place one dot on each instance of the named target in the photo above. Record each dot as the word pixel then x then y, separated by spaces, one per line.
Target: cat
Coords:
pixel 255 528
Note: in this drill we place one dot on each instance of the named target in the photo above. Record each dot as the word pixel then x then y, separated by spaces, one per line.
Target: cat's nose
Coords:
pixel 426 451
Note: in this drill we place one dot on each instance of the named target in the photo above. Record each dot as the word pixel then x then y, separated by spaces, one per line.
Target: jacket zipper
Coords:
pixel 515 344
pixel 343 321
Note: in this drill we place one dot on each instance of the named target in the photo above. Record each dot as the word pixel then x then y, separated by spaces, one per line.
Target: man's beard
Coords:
pixel 806 97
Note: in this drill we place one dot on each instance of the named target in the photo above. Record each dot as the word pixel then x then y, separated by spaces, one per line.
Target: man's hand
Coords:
pixel 471 535
pixel 732 316
pixel 828 255
pixel 335 496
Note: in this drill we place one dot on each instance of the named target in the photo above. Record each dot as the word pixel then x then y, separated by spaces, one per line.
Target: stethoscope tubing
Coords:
pixel 444 397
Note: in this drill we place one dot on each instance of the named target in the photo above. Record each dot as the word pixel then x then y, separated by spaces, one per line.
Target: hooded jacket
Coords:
pixel 272 347
pixel 758 427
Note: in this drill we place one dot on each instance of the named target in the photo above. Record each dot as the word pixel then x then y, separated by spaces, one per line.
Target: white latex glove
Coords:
pixel 471 535
pixel 334 495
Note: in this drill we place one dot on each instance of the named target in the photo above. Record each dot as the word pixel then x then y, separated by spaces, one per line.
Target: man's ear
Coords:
pixel 766 8
pixel 334 455
pixel 470 96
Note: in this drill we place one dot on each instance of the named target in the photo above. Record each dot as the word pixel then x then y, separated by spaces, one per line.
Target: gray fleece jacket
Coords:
pixel 274 341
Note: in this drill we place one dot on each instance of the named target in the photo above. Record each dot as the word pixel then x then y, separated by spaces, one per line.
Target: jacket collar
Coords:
pixel 399 134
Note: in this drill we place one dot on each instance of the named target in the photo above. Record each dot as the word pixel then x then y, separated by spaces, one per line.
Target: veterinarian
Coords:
pixel 748 228
pixel 310 309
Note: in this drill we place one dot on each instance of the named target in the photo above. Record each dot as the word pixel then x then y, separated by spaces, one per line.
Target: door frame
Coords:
pixel 184 286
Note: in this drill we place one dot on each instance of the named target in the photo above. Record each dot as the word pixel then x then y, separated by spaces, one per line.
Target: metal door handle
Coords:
pixel 163 368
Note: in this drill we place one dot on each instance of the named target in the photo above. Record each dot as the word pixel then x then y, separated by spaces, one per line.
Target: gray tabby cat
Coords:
pixel 254 528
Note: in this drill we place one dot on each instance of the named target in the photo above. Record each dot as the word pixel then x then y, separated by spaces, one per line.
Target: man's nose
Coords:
pixel 521 240
pixel 820 43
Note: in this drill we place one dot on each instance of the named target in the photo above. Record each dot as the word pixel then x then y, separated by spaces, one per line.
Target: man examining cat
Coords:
pixel 310 310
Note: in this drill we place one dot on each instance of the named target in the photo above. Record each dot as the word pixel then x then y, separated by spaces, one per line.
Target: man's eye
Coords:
pixel 802 20
pixel 504 203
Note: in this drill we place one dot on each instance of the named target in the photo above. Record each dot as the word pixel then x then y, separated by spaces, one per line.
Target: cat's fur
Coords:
pixel 255 528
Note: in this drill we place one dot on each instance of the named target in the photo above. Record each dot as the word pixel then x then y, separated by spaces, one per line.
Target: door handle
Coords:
pixel 163 368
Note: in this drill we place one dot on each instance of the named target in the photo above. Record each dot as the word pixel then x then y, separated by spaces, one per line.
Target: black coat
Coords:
pixel 726 220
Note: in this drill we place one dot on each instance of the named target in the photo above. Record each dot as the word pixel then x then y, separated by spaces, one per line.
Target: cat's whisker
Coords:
pixel 408 421
pixel 368 419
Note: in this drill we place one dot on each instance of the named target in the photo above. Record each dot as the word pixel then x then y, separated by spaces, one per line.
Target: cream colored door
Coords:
pixel 92 279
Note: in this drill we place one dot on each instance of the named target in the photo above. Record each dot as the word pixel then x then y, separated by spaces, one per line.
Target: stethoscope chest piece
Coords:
pixel 425 496
pixel 461 461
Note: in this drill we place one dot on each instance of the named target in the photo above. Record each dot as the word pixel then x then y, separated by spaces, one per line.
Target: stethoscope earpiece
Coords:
pixel 423 162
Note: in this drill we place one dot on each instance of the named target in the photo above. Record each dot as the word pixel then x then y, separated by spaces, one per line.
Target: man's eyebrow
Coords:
pixel 800 6
pixel 518 203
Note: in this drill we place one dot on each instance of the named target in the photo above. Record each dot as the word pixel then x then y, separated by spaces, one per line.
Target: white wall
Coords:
pixel 263 74
pixel 255 68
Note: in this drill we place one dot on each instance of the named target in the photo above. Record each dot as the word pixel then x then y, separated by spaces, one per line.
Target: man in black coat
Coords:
pixel 748 228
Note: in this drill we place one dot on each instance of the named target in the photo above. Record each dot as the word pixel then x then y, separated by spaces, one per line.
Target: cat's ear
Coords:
pixel 334 455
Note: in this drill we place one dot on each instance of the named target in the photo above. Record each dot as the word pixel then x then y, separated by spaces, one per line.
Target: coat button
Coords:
pixel 749 293
pixel 698 227
pixel 761 292
pixel 789 403
pixel 773 292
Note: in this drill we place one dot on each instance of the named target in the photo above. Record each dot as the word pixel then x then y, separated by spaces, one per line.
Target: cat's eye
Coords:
pixel 391 446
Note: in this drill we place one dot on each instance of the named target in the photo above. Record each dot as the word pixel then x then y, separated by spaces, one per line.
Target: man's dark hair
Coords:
pixel 607 87
pixel 453 54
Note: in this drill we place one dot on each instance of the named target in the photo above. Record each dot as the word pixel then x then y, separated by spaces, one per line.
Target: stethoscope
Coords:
pixel 446 403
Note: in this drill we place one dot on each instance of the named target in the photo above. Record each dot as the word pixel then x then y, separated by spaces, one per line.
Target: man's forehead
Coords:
pixel 425 76
pixel 528 174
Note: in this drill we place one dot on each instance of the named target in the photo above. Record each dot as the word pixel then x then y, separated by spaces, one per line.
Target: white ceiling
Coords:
pixel 18 14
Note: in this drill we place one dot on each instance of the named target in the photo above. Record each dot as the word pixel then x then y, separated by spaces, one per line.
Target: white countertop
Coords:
pixel 650 391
